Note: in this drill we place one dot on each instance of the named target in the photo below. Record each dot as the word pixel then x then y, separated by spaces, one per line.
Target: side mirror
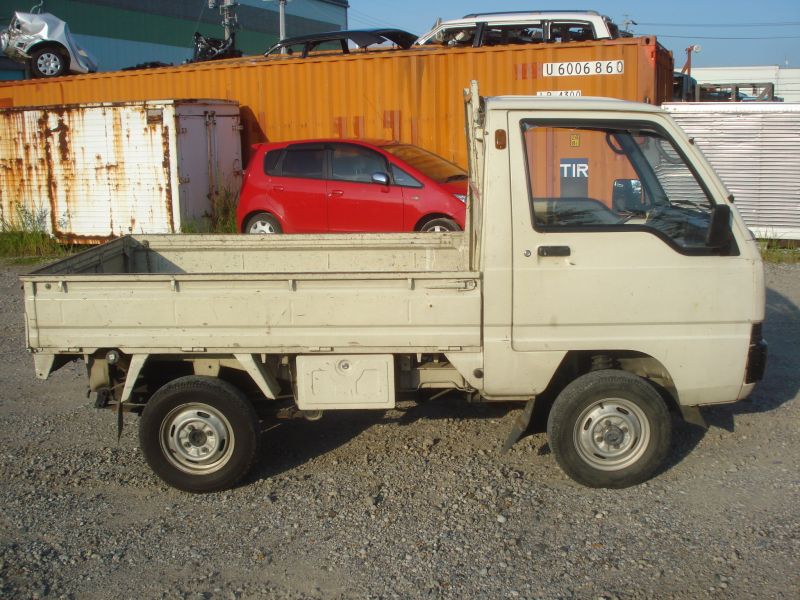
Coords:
pixel 626 195
pixel 719 228
pixel 381 178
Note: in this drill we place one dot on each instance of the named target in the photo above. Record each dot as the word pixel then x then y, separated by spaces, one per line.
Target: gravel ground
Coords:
pixel 415 502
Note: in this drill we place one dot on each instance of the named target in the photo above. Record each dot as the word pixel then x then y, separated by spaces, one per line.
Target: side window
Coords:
pixel 355 163
pixel 614 177
pixel 455 36
pixel 566 31
pixel 271 159
pixel 304 161
pixel 496 35
pixel 402 178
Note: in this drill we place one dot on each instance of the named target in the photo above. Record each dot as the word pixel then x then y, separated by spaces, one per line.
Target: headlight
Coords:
pixel 462 197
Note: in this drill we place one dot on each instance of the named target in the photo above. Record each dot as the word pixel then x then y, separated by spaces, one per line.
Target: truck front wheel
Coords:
pixel 199 434
pixel 609 429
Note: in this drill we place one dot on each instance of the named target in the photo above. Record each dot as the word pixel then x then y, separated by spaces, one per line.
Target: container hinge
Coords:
pixel 193 349
pixel 320 349
pixel 184 179
pixel 74 350
pixel 173 284
pixel 62 286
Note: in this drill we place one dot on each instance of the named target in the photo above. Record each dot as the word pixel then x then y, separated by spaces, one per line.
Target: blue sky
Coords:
pixel 731 33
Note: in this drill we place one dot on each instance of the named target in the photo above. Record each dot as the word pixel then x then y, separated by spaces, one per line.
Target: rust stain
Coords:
pixel 52 184
pixel 165 164
pixel 74 238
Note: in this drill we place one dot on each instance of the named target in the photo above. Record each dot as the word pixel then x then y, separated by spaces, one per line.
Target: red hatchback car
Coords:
pixel 337 185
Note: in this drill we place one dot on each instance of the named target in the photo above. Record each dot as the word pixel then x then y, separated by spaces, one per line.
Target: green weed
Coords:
pixel 25 236
pixel 779 251
pixel 222 218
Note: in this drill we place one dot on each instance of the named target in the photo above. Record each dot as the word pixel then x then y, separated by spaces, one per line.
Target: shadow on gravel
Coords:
pixel 780 385
pixel 290 443
pixel 781 381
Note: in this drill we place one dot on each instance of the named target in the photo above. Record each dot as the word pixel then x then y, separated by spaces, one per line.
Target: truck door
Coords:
pixel 610 251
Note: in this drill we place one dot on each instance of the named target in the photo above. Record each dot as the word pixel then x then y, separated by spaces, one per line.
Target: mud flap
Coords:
pixel 519 426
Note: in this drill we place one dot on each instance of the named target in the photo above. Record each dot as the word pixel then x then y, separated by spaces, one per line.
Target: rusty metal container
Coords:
pixel 87 172
pixel 412 96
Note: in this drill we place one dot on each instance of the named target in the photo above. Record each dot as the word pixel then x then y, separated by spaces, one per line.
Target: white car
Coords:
pixel 492 29
pixel 44 42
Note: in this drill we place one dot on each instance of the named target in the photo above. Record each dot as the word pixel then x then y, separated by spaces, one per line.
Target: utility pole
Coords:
pixel 281 18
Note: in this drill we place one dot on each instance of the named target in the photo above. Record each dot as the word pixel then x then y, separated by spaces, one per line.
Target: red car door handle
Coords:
pixel 336 193
pixel 277 188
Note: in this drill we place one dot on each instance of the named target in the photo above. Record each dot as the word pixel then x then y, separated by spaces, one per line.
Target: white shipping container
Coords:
pixel 90 172
pixel 753 147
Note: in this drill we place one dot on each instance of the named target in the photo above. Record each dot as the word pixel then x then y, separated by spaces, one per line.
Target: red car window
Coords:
pixel 354 163
pixel 304 162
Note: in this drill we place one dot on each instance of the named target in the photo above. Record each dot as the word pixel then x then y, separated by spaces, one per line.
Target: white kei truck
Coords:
pixel 604 279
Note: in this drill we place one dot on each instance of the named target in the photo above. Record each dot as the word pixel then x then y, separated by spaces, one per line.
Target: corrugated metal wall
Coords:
pixel 89 172
pixel 412 96
pixel 755 150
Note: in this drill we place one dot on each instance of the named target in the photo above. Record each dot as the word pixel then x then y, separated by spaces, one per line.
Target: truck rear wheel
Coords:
pixel 199 434
pixel 609 429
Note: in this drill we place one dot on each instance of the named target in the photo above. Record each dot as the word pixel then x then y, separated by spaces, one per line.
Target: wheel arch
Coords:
pixel 254 212
pixel 50 44
pixel 580 362
pixel 430 217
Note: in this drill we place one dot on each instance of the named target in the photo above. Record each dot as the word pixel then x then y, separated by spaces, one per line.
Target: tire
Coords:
pixel 199 434
pixel 609 429
pixel 263 223
pixel 439 225
pixel 48 61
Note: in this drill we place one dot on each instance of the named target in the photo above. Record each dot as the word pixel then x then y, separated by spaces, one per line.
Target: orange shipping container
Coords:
pixel 412 96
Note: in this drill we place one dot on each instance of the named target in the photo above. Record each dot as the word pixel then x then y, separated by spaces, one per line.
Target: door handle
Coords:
pixel 553 251
pixel 277 188
pixel 335 193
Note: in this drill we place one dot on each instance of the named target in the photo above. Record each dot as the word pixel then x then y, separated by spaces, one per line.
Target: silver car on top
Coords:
pixel 43 41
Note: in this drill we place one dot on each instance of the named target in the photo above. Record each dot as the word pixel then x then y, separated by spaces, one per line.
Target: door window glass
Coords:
pixel 355 163
pixel 303 162
pixel 602 178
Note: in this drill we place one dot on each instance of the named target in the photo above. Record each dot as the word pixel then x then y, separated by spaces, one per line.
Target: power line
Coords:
pixel 784 24
pixel 709 37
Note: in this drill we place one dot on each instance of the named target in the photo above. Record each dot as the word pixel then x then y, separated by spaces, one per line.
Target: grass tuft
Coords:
pixel 25 237
pixel 222 218
pixel 780 251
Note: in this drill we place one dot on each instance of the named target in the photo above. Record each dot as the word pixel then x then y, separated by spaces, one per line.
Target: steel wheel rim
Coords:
pixel 611 434
pixel 196 438
pixel 262 226
pixel 48 63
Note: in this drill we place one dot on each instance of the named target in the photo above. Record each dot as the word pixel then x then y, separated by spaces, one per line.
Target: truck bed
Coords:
pixel 293 294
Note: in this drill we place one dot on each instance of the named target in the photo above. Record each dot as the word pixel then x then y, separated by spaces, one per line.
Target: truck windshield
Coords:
pixel 427 163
